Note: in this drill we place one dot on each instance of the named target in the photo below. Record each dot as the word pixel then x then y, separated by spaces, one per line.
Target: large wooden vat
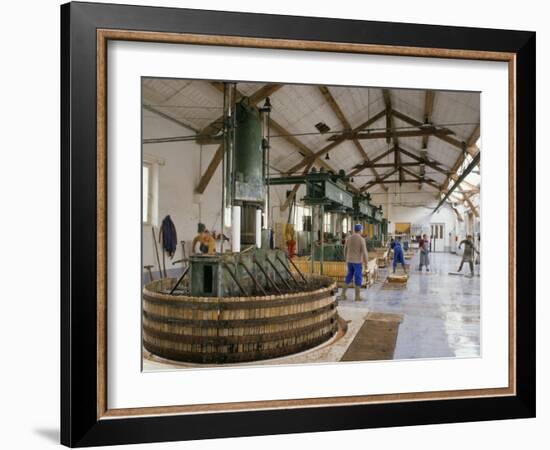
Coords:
pixel 237 329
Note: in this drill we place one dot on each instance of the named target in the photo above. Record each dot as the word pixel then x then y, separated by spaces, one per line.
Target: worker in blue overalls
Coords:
pixel 398 256
pixel 355 253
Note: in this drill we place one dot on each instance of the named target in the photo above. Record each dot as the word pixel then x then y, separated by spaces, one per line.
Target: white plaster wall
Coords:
pixel 178 176
pixel 417 209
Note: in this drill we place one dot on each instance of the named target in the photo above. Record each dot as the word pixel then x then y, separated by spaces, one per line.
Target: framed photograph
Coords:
pixel 277 224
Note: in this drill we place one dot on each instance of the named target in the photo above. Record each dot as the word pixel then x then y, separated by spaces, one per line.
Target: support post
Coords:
pixel 235 228
pixel 258 228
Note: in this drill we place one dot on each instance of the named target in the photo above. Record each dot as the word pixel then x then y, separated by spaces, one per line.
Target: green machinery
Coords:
pixel 246 155
pixel 256 272
pixel 325 192
pixel 248 187
pixel 368 214
pixel 248 179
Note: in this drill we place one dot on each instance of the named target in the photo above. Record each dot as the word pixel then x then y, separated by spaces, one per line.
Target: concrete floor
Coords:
pixel 441 312
pixel 441 317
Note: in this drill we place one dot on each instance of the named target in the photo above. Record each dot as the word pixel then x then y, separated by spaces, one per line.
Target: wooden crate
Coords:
pixel 395 278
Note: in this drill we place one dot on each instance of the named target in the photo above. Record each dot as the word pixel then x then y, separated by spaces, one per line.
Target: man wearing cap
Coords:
pixel 355 253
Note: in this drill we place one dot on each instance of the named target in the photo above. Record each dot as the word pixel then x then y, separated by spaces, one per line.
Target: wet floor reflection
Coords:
pixel 441 311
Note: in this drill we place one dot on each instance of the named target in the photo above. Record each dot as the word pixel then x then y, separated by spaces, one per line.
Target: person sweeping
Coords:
pixel 424 253
pixel 355 254
pixel 398 256
pixel 468 255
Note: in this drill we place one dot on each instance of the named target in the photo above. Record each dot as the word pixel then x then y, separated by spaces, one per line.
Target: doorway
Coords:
pixel 437 237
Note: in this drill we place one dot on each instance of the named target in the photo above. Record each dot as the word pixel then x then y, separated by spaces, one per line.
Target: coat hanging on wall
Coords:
pixel 168 236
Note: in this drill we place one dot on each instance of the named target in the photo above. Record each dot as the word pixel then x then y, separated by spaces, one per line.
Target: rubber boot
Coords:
pixel 357 293
pixel 343 294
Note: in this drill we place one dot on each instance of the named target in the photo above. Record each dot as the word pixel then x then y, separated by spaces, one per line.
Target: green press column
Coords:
pixel 249 153
pixel 248 183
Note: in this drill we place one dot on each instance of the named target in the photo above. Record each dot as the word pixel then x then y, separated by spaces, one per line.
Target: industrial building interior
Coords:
pixel 250 191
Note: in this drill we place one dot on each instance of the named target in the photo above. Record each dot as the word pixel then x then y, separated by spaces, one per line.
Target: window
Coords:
pixel 150 177
pixel 147 194
pixel 299 213
pixel 327 222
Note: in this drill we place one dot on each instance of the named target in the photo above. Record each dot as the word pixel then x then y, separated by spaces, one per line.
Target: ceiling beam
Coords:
pixel 432 164
pixel 428 111
pixel 425 131
pixel 210 170
pixel 404 164
pixel 458 215
pixel 405 180
pixel 325 91
pixel 266 91
pixel 423 179
pixel 390 129
pixel 390 126
pixel 257 97
pixel 471 187
pixel 471 144
pixel 444 137
pixel 378 181
pixel 214 127
pixel 473 137
pixel 303 149
pixel 359 167
pixel 463 175
pixel 341 117
pixel 467 193
pixel 387 104
pixel 470 204
pixel 337 140
pixel 281 131
pixel 334 106
pixel 460 160
pixel 290 197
